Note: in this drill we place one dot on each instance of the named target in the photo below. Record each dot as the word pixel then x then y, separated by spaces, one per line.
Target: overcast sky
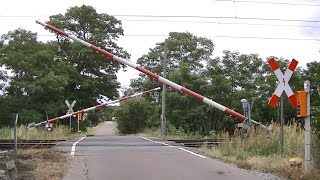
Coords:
pixel 286 37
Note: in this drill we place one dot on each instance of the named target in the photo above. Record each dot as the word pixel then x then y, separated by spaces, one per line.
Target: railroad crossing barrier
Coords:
pixel 33 124
pixel 147 72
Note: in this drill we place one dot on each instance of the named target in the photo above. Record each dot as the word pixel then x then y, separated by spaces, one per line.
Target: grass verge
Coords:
pixel 59 132
pixel 171 133
pixel 261 151
pixel 40 164
pixel 258 150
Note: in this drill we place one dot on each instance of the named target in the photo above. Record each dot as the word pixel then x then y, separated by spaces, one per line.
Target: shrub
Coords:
pixel 132 115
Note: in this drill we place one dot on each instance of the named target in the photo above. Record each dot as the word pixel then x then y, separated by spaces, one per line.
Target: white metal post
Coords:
pixel 163 102
pixel 282 122
pixel 78 125
pixel 307 138
pixel 70 124
pixel 15 121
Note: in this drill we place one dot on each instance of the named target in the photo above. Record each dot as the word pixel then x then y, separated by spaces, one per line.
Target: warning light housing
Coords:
pixel 80 116
pixel 301 103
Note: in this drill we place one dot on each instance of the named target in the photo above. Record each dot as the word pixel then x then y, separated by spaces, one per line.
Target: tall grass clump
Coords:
pixel 259 142
pixel 171 132
pixel 260 150
pixel 59 132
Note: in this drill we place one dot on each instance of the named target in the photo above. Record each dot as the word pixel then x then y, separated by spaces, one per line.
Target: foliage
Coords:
pixel 261 150
pixel 315 149
pixel 44 75
pixel 93 117
pixel 226 80
pixel 313 75
pixel 83 124
pixel 93 74
pixel 59 132
pixel 260 142
pixel 103 114
pixel 186 56
pixel 133 115
pixel 36 77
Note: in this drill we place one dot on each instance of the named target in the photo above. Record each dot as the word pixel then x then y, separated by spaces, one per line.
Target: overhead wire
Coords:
pixel 128 16
pixel 196 21
pixel 217 22
pixel 185 16
pixel 217 36
pixel 216 17
pixel 268 2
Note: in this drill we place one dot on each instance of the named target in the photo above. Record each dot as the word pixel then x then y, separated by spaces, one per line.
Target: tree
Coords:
pixel 226 80
pixel 3 73
pixel 46 74
pixel 36 83
pixel 94 74
pixel 230 78
pixel 187 55
pixel 247 76
pixel 3 79
pixel 312 74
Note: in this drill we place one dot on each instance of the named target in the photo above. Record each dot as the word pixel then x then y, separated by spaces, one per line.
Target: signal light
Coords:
pixel 301 103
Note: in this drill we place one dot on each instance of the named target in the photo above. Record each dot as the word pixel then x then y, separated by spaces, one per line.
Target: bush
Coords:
pixel 93 117
pixel 133 115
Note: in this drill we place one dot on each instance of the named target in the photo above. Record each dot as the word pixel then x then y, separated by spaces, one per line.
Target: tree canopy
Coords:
pixel 36 77
pixel 226 80
pixel 44 74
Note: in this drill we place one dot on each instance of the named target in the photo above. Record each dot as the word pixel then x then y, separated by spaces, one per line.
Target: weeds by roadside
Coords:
pixel 171 133
pixel 59 132
pixel 39 164
pixel 260 150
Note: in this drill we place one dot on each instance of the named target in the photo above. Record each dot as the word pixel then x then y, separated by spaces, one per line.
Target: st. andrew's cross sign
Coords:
pixel 283 84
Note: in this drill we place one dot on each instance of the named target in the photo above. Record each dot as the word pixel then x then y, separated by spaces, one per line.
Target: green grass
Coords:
pixel 261 151
pixel 171 133
pixel 260 142
pixel 59 132
pixel 258 150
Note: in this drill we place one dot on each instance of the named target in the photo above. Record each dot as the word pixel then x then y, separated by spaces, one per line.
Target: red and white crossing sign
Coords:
pixel 283 84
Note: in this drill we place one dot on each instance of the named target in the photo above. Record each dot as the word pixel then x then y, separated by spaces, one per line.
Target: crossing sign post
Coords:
pixel 70 106
pixel 283 85
pixel 70 110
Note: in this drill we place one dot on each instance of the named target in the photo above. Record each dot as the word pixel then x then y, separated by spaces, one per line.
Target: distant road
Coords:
pixel 109 157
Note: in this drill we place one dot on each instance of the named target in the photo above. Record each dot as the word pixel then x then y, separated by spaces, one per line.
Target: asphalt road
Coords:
pixel 109 157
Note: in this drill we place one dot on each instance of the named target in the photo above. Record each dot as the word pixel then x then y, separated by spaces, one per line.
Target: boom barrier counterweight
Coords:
pixel 147 72
pixel 92 108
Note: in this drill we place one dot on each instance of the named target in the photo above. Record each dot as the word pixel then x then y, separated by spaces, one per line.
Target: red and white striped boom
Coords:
pixel 147 72
pixel 93 107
